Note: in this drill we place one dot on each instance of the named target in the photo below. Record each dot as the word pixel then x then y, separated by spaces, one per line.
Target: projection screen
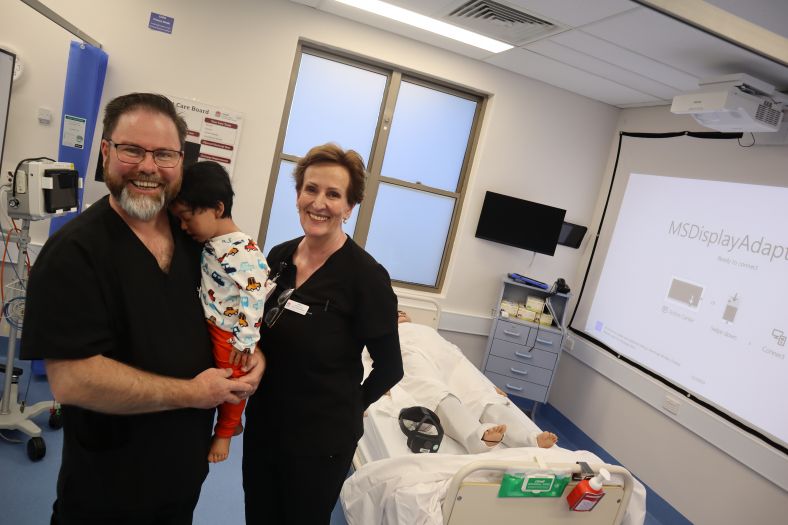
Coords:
pixel 689 278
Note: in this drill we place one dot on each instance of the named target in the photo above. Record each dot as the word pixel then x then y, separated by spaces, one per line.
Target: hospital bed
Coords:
pixel 393 486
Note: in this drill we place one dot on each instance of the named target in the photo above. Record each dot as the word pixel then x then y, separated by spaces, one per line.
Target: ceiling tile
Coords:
pixel 568 12
pixel 575 13
pixel 625 59
pixel 400 28
pixel 601 64
pixel 570 78
pixel 684 48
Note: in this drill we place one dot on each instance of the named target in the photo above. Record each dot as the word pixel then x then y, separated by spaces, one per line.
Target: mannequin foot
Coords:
pixel 493 435
pixel 220 449
pixel 546 439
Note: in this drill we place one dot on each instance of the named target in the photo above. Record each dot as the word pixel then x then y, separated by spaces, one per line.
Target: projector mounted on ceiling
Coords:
pixel 734 103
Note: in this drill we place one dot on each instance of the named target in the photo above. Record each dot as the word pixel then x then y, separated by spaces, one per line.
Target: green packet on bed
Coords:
pixel 533 483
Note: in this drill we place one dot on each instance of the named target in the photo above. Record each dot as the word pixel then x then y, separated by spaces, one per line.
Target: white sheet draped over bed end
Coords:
pixel 410 490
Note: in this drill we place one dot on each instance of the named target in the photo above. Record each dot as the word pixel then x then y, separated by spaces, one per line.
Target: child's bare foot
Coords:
pixel 546 439
pixel 220 449
pixel 493 435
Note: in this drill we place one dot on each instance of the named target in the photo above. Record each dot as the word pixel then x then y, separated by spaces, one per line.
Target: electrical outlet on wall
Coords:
pixel 44 116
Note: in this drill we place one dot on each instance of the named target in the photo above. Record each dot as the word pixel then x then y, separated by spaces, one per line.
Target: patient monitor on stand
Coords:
pixel 43 189
pixel 39 190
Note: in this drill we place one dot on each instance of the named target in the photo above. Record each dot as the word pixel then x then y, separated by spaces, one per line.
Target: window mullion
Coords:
pixel 375 164
pixel 280 141
pixel 470 151
pixel 419 187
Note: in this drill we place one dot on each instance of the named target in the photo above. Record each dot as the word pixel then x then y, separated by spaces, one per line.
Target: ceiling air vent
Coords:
pixel 501 22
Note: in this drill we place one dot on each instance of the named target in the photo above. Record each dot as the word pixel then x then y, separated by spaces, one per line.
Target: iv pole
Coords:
pixel 13 415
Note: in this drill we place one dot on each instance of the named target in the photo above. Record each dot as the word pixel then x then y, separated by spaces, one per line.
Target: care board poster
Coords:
pixel 213 132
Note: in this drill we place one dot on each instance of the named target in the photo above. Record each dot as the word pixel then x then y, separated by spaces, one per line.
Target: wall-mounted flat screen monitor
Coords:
pixel 520 223
pixel 7 60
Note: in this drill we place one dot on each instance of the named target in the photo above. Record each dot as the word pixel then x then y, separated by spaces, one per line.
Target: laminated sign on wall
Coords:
pixel 213 134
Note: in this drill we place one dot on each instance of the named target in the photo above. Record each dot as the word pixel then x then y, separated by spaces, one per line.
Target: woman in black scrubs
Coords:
pixel 332 299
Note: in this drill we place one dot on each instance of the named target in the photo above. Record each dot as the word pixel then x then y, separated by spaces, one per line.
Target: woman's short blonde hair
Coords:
pixel 332 154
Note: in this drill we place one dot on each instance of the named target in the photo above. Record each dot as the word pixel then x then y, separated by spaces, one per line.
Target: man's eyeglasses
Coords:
pixel 273 315
pixel 133 154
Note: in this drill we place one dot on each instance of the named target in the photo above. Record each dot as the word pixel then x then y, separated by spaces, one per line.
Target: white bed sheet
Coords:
pixel 384 439
pixel 461 377
pixel 398 487
pixel 409 490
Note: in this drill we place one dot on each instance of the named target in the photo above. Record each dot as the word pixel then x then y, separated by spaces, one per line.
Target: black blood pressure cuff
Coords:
pixel 422 427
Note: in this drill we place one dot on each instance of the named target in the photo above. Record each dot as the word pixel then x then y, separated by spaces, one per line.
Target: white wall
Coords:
pixel 537 142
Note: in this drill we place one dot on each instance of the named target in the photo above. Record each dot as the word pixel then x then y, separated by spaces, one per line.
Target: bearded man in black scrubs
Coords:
pixel 112 308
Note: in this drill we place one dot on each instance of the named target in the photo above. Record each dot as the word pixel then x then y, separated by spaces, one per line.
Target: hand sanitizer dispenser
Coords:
pixel 588 492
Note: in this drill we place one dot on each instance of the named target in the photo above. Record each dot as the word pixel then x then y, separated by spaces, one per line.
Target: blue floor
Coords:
pixel 27 489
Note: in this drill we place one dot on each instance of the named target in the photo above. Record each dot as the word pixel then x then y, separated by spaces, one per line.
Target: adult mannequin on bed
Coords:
pixel 303 427
pixel 473 413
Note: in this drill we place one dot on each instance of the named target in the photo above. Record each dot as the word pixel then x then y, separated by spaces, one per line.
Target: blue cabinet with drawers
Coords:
pixel 522 356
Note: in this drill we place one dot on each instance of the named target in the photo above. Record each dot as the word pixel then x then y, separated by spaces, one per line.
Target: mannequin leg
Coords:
pixel 460 426
pixel 519 432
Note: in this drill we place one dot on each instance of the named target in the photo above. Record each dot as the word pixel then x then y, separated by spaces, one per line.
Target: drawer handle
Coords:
pixel 544 341
pixel 521 372
pixel 518 388
pixel 513 334
pixel 524 356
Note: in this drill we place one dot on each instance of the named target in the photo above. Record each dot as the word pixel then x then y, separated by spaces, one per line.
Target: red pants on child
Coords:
pixel 229 414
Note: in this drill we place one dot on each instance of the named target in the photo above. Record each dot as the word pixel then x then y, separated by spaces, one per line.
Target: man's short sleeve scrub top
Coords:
pixel 97 290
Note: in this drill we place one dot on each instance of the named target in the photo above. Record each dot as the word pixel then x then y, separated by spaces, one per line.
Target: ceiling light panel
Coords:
pixel 426 23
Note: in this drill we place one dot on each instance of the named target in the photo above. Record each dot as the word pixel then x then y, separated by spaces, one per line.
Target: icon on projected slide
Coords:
pixel 779 335
pixel 686 293
pixel 731 308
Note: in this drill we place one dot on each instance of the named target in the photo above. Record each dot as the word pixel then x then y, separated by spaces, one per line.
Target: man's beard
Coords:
pixel 141 207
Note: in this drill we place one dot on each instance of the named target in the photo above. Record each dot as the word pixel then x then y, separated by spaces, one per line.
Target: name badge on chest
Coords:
pixel 295 306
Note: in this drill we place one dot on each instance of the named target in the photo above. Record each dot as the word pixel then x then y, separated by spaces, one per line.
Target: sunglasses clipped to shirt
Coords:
pixel 272 316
